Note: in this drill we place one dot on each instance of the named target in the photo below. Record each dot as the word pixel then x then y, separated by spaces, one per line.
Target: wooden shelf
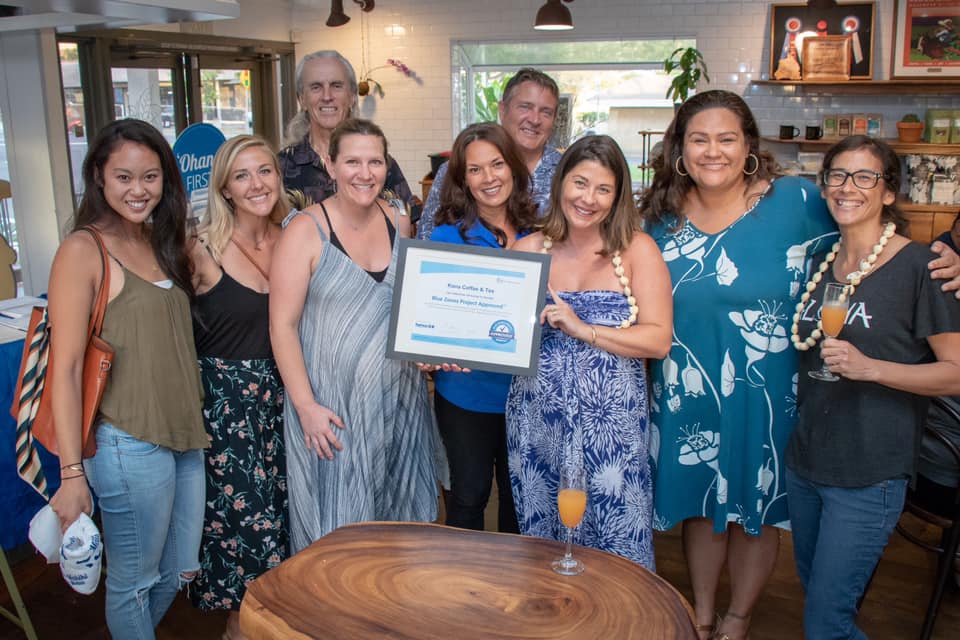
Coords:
pixel 868 87
pixel 896 145
pixel 913 208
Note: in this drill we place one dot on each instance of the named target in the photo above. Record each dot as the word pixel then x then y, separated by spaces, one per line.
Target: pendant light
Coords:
pixel 337 17
pixel 553 16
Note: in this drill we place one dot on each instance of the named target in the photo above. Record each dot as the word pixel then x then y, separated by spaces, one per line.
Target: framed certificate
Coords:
pixel 791 24
pixel 473 306
pixel 827 58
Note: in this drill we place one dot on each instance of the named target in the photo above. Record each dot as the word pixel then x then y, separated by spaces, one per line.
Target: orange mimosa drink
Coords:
pixel 832 318
pixel 572 503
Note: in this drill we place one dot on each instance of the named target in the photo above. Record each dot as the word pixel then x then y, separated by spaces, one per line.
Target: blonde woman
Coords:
pixel 245 530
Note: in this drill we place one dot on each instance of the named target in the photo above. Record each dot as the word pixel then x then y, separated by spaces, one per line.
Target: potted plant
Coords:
pixel 691 64
pixel 909 129
pixel 368 84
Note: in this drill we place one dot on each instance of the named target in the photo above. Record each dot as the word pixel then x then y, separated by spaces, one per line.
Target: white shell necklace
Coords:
pixel 624 282
pixel 854 278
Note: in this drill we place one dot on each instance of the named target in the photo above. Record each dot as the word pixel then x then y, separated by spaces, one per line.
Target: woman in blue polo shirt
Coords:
pixel 484 202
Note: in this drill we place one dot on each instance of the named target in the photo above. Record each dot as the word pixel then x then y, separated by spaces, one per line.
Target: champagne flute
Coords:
pixel 571 502
pixel 833 313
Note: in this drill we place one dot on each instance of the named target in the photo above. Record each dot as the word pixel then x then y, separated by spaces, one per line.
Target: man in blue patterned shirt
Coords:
pixel 527 112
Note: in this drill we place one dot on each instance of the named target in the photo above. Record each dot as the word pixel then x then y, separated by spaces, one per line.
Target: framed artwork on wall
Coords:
pixel 926 42
pixel 791 24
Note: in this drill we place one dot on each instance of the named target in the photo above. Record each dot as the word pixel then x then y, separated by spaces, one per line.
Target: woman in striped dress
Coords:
pixel 360 435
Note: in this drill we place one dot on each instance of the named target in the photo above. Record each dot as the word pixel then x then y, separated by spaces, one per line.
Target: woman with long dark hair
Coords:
pixel 484 202
pixel 148 469
pixel 736 236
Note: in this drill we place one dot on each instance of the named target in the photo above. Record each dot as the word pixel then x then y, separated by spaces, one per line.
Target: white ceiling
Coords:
pixel 68 15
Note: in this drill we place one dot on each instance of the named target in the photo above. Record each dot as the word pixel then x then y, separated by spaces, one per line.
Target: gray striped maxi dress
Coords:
pixel 386 470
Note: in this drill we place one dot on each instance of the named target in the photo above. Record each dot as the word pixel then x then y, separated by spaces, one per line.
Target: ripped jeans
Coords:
pixel 152 504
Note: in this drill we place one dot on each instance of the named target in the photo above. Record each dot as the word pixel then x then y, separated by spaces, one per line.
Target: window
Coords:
pixel 616 87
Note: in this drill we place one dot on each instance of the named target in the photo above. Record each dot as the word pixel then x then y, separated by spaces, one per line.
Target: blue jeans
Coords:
pixel 839 535
pixel 151 503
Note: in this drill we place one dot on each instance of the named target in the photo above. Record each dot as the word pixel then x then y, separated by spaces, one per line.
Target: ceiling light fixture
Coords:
pixel 553 16
pixel 337 17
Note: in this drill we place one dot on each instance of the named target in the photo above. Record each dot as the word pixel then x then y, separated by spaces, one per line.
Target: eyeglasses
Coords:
pixel 863 179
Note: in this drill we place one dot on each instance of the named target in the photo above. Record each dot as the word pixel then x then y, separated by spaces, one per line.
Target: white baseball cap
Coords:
pixel 81 555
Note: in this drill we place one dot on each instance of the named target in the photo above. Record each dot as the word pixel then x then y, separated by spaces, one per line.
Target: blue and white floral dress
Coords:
pixel 584 407
pixel 723 401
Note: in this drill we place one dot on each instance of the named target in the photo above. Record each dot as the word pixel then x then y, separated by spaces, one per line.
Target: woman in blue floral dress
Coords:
pixel 245 528
pixel 587 405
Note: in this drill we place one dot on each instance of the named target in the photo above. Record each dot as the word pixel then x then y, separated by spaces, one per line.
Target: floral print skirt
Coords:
pixel 245 525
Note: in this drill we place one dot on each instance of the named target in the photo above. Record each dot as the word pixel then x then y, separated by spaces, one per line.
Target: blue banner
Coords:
pixel 194 150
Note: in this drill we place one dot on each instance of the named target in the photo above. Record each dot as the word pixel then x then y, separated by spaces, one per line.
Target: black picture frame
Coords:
pixel 860 14
pixel 405 288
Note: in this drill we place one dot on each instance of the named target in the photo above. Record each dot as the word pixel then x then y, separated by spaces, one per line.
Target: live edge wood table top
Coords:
pixel 426 582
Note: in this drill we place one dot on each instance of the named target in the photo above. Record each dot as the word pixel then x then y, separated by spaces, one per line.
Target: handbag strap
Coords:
pixel 100 305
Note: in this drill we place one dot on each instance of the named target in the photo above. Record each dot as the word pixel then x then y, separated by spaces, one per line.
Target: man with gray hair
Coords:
pixel 528 111
pixel 327 93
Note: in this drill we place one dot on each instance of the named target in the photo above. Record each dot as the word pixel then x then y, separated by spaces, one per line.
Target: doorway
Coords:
pixel 173 80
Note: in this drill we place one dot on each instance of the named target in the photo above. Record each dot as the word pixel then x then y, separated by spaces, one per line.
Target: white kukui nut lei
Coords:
pixel 854 278
pixel 624 281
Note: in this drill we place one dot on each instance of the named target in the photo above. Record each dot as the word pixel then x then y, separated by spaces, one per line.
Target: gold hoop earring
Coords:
pixel 756 165
pixel 676 166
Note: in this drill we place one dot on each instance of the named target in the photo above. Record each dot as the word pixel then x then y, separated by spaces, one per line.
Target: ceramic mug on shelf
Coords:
pixel 788 132
pixel 814 132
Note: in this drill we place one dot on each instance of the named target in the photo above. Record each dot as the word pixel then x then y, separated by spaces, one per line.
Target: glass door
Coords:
pixel 171 81
pixel 145 94
pixel 227 99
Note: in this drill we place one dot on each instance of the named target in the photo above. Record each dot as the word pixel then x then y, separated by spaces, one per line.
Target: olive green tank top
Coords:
pixel 154 391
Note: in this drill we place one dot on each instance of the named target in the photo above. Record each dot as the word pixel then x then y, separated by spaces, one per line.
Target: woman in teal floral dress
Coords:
pixel 245 528
pixel 735 238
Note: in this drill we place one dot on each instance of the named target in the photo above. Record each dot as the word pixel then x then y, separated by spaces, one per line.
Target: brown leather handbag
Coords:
pixel 32 400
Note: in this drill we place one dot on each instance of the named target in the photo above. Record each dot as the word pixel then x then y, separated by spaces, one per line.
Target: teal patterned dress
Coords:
pixel 723 402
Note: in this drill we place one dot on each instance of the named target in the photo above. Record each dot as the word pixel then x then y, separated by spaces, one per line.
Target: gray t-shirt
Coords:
pixel 852 433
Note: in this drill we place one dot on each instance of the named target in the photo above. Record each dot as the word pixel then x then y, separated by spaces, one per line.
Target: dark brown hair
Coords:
pixel 665 197
pixel 620 225
pixel 891 173
pixel 166 226
pixel 457 204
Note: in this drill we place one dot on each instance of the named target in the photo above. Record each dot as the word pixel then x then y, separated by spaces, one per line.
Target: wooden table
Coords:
pixel 424 581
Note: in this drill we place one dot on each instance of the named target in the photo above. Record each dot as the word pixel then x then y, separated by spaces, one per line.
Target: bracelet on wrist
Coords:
pixel 76 475
pixel 76 466
pixel 593 335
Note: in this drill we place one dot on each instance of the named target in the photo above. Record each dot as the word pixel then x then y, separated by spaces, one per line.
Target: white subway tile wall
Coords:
pixel 417 114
